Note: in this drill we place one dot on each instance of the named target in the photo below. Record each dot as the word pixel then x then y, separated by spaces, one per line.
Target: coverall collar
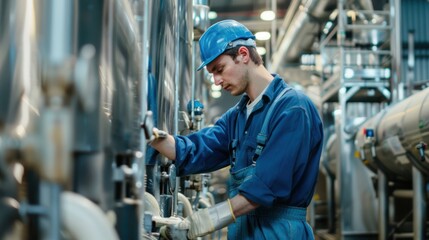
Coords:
pixel 273 89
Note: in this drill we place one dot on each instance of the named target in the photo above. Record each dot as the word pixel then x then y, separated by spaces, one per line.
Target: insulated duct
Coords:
pixel 302 29
pixel 395 139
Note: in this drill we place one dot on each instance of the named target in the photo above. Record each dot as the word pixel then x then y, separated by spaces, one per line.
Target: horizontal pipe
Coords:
pixel 397 132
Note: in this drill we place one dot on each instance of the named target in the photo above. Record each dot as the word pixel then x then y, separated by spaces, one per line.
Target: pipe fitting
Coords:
pixel 421 147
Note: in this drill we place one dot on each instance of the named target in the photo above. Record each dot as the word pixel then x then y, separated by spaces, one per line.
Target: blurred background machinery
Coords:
pixel 79 79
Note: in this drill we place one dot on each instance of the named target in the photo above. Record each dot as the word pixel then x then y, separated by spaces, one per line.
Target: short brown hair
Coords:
pixel 254 55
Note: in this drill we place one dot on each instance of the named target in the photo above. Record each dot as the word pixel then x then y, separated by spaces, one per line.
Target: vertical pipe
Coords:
pixel 383 206
pixel 145 66
pixel 143 108
pixel 331 203
pixel 193 73
pixel 273 30
pixel 340 121
pixel 54 211
pixel 50 200
pixel 410 63
pixel 176 91
pixel 58 38
pixel 396 48
pixel 419 205
pixel 342 158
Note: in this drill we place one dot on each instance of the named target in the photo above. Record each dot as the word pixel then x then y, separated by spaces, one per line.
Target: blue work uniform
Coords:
pixel 283 179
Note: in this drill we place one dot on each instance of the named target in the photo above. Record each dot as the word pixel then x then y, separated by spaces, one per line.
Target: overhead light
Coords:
pixel 215 87
pixel 212 15
pixel 262 36
pixel 216 94
pixel 268 15
pixel 349 73
pixel 261 50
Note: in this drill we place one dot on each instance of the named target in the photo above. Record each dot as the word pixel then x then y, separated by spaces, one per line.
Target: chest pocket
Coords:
pixel 249 147
pixel 253 146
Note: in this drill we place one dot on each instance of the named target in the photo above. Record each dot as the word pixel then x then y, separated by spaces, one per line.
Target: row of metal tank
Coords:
pixel 78 79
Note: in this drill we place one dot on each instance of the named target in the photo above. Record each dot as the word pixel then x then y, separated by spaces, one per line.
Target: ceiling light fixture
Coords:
pixel 215 87
pixel 212 15
pixel 268 15
pixel 262 36
pixel 261 50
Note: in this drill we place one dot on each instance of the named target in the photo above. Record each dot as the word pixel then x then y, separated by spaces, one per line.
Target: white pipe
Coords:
pixel 151 204
pixel 84 220
pixel 204 203
pixel 211 198
pixel 187 207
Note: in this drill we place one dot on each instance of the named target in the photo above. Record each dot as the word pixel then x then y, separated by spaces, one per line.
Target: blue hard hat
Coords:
pixel 221 36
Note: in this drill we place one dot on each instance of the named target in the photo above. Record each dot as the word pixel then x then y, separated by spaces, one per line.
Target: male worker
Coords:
pixel 274 164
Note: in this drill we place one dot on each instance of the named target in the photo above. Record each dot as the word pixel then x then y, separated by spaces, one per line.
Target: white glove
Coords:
pixel 173 231
pixel 208 220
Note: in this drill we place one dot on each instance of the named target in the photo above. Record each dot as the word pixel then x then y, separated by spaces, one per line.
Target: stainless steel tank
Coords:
pixel 169 83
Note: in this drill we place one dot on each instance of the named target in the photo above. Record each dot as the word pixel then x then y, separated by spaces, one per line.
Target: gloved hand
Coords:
pixel 175 232
pixel 208 220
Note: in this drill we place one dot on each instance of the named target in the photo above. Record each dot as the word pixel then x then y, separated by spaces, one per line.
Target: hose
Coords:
pixel 151 204
pixel 187 207
pixel 83 219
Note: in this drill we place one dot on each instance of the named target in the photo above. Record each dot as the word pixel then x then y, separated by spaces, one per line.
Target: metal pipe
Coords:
pixel 59 38
pixel 292 9
pixel 396 46
pixel 397 130
pixel 193 67
pixel 419 205
pixel 187 211
pixel 176 96
pixel 410 64
pixel 296 38
pixel 127 31
pixel 7 64
pixel 403 194
pixel 144 48
pixel 383 206
pixel 201 20
pixel 50 199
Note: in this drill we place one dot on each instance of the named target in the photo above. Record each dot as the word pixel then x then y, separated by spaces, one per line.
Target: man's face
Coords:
pixel 229 74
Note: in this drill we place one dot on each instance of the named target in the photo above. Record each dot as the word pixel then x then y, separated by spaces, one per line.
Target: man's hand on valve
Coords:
pixel 201 223
pixel 151 133
pixel 156 134
pixel 176 231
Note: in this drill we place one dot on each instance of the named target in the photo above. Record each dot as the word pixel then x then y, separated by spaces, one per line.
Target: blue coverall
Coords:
pixel 283 179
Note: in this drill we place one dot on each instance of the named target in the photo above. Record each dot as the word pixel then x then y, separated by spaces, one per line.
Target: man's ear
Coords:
pixel 243 51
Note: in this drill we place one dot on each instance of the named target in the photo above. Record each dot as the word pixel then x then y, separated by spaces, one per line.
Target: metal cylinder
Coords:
pixel 398 130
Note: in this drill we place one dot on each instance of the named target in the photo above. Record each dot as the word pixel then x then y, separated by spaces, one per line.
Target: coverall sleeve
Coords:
pixel 203 151
pixel 283 160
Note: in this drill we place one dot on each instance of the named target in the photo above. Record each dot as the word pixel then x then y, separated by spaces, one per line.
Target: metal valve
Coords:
pixel 421 147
